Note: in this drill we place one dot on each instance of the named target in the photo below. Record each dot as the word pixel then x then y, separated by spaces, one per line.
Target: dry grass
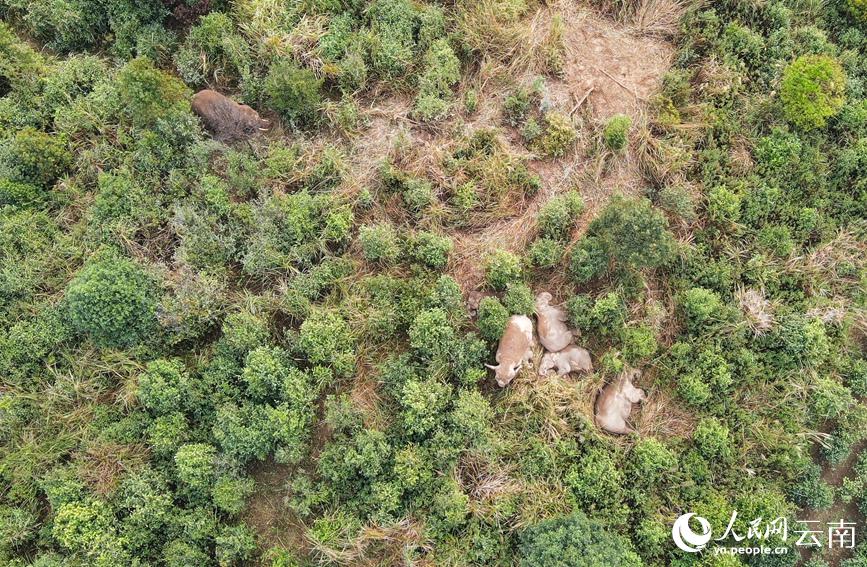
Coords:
pixel 376 545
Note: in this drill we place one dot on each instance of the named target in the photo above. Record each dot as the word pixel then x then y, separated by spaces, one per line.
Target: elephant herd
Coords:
pixel 517 349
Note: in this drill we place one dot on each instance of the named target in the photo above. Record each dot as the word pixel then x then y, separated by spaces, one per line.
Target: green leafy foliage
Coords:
pixel 195 334
pixel 294 93
pixel 575 541
pixel 616 132
pixel 113 301
pixel 812 90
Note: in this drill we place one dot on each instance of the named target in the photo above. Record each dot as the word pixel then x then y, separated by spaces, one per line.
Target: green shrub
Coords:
pixel 777 240
pixel 701 308
pixel 589 259
pixel 639 343
pixel 196 466
pixel 678 201
pixel 20 194
pixel 167 432
pixel 417 194
pixel 294 93
pixel 229 493
pixel 20 64
pixel 424 404
pixel 393 23
pixel 609 314
pixel 149 94
pixel 213 51
pixel 325 338
pixel 723 206
pixel 830 399
pixel 596 482
pixel 858 8
pixel 502 268
pixel 557 217
pixel 234 544
pixel 430 249
pixel 545 253
pixel 616 132
pixel 517 105
pixel 242 332
pixel 812 90
pixel 431 335
pixel 650 461
pixel 631 232
pixel 519 299
pixel 334 42
pixel 266 370
pixel 574 541
pixel 379 243
pixel 164 387
pixel 492 318
pixel 558 136
pixel 113 301
pixel 35 158
pixel 811 490
pixel 83 526
pixel 713 439
pixel 442 71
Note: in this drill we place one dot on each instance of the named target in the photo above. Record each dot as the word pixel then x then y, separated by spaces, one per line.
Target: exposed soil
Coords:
pixel 266 512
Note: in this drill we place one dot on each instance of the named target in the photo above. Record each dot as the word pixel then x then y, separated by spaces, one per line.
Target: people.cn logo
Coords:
pixel 688 540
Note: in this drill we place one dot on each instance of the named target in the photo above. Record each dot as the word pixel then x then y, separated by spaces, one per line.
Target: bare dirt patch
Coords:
pixel 266 512
pixel 620 67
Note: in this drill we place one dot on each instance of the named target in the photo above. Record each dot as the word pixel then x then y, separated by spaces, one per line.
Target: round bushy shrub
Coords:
pixel 431 335
pixel 430 249
pixel 195 464
pixel 639 343
pixel 858 8
pixel 113 301
pixel 616 132
pixel 36 158
pixel 519 299
pixel 575 541
pixel 558 136
pixel 19 194
pixel 812 90
pixel 650 460
pixel 293 92
pixel 230 493
pixel 442 71
pixel 492 318
pixel 163 388
pixel 326 338
pixel 723 206
pixel 557 217
pixel 149 94
pixel 545 253
pixel 265 371
pixel 82 526
pixel 701 307
pixel 588 260
pixel 713 439
pixel 502 268
pixel 811 490
pixel 629 231
pixel 379 243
